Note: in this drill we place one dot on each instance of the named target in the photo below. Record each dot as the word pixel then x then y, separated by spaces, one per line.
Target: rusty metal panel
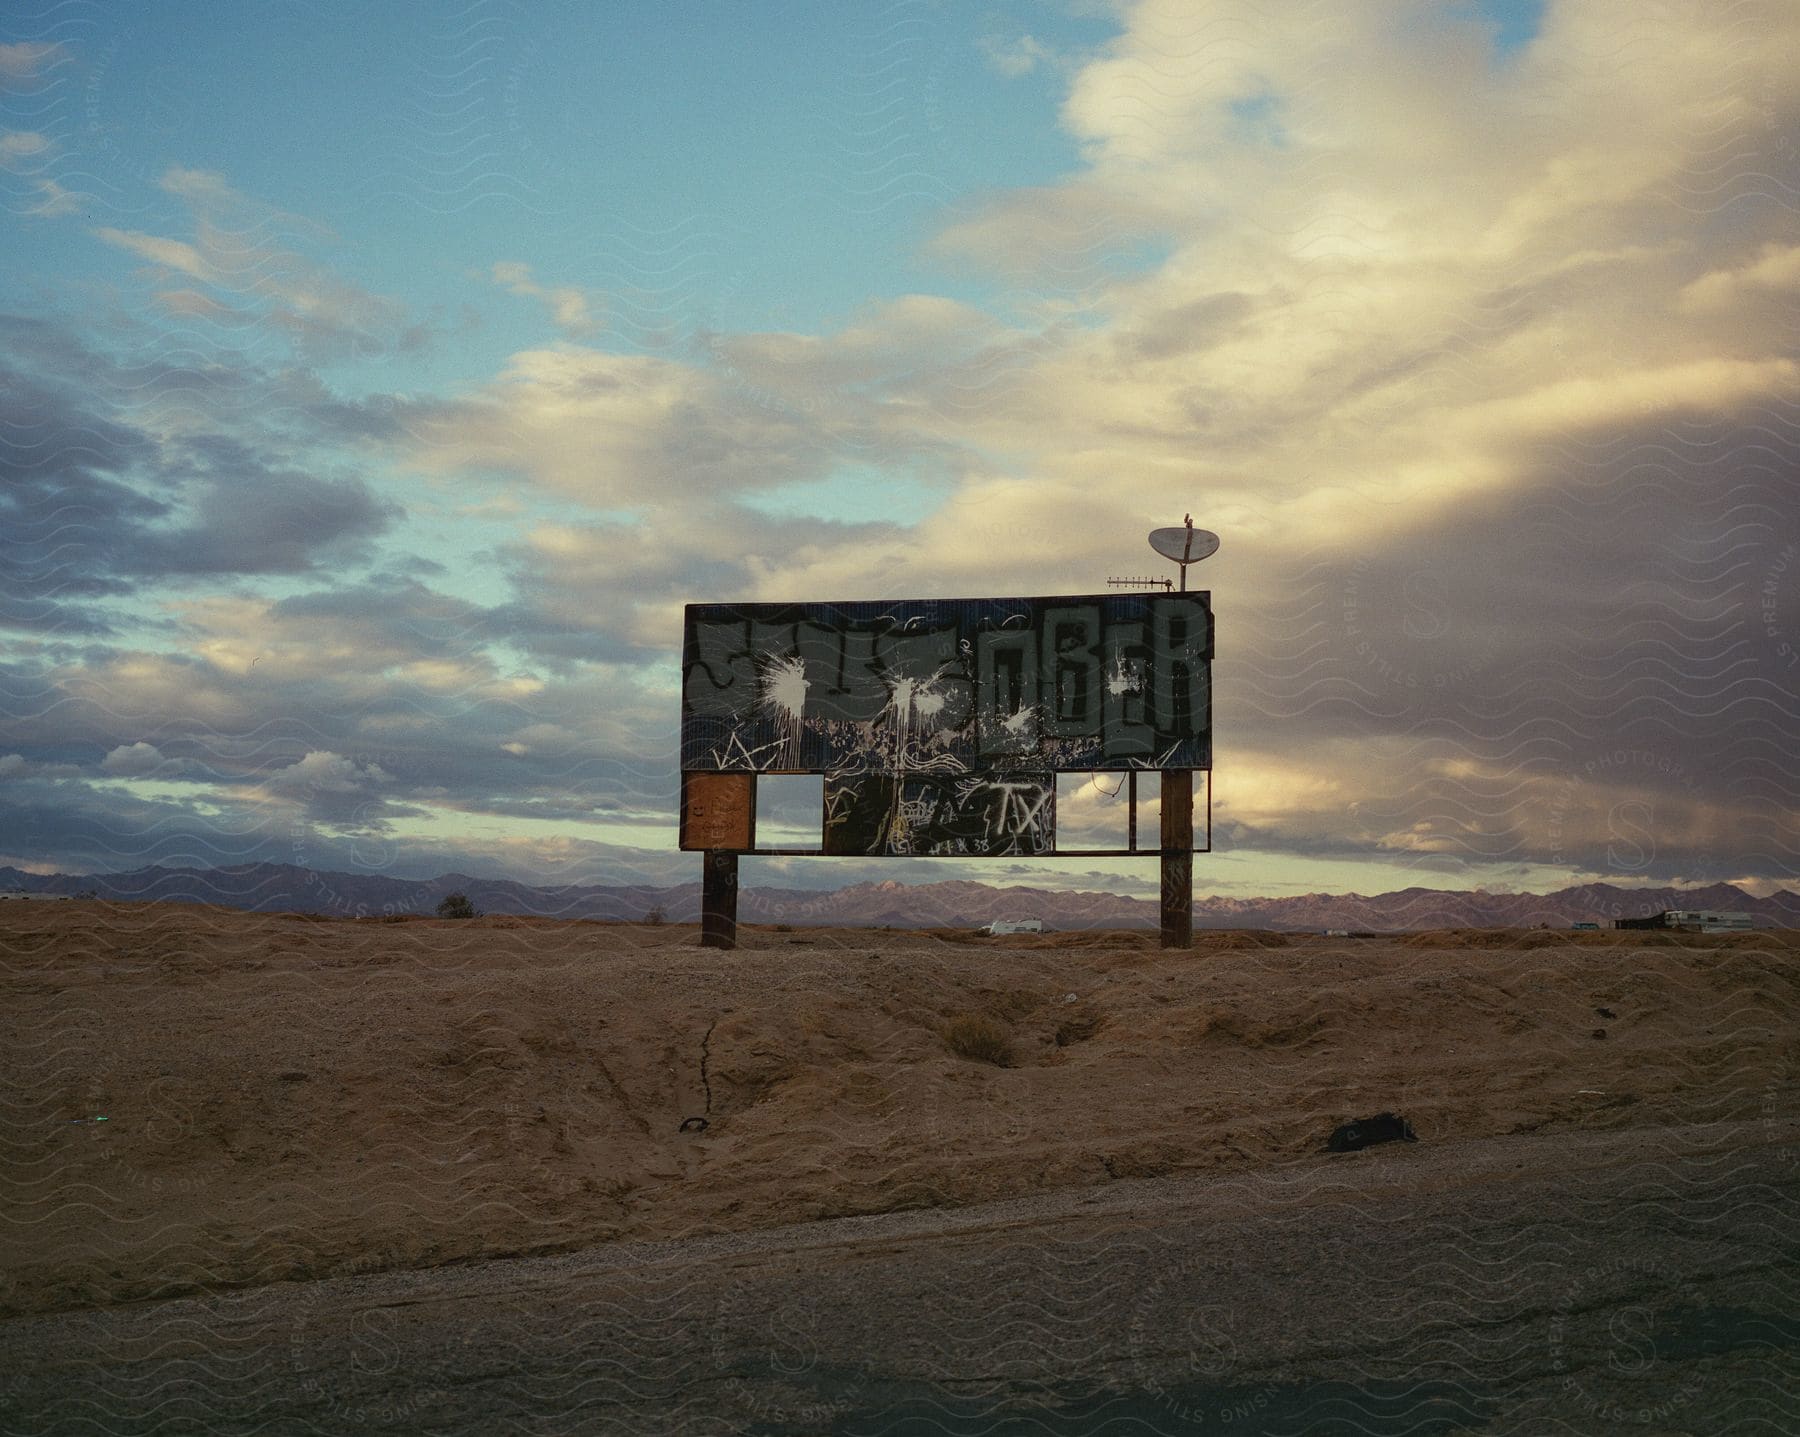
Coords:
pixel 718 810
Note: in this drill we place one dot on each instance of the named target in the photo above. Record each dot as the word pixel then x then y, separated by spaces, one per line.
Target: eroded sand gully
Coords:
pixel 287 1097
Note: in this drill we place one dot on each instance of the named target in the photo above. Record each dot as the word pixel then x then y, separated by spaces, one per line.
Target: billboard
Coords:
pixel 940 724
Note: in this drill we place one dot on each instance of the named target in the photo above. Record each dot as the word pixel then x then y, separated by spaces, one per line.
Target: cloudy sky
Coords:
pixel 378 383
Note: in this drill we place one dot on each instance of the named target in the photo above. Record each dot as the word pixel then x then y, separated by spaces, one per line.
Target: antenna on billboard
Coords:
pixel 1185 546
pixel 1134 582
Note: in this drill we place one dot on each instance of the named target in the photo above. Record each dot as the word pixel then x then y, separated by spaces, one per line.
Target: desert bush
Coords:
pixel 1077 1029
pixel 977 1036
pixel 1014 1004
pixel 656 917
pixel 457 905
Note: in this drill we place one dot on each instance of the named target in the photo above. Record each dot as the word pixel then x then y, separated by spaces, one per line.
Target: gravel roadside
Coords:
pixel 1643 1281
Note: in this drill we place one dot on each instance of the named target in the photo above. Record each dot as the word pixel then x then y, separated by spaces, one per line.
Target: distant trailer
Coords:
pixel 1708 922
pixel 1584 927
pixel 1001 926
pixel 1691 920
pixel 37 897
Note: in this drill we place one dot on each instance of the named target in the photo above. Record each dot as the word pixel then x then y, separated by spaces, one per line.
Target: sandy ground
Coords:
pixel 287 1097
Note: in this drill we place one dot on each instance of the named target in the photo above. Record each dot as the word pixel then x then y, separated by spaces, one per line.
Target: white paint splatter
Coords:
pixel 1125 679
pixel 915 698
pixel 914 707
pixel 784 685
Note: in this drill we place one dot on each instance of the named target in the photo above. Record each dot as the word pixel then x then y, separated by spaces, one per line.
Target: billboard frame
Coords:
pixel 1132 849
pixel 747 710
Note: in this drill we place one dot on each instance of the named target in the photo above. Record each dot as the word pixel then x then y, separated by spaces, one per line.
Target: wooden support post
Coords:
pixel 1177 858
pixel 718 899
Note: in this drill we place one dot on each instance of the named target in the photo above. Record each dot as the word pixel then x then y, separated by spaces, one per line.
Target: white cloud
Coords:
pixel 616 429
pixel 133 760
pixel 171 254
pixel 1016 57
pixel 323 772
pixel 1393 267
pixel 54 202
pixel 26 60
pixel 18 146
pixel 1774 271
pixel 568 305
pixel 197 185
pixel 243 248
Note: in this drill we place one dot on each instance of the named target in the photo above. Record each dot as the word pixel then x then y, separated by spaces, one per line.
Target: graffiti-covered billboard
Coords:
pixel 937 687
pixel 940 724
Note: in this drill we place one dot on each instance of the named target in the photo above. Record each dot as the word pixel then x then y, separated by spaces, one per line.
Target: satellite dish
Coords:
pixel 1186 545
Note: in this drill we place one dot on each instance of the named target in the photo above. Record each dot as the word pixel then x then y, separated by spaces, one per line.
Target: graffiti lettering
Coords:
pixel 949 686
pixel 984 814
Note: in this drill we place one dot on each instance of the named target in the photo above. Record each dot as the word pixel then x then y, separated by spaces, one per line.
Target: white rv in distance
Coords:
pixel 1002 926
pixel 1692 920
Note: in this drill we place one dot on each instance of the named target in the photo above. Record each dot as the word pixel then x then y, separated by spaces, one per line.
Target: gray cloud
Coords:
pixel 1545 675
pixel 98 504
pixel 264 523
pixel 81 828
pixel 349 711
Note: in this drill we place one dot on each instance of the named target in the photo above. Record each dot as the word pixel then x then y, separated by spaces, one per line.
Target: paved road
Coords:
pixel 1644 1282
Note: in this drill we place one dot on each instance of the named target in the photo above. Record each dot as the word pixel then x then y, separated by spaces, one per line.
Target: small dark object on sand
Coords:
pixel 1366 1132
pixel 694 1125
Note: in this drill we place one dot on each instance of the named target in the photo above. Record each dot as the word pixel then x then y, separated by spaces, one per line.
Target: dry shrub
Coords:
pixel 977 1036
pixel 1078 938
pixel 457 905
pixel 1765 939
pixel 1452 938
pixel 1530 939
pixel 1145 957
pixel 1518 939
pixel 1241 938
pixel 1015 1003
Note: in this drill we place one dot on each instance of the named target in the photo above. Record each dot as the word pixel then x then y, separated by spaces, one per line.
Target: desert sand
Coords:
pixel 287 1097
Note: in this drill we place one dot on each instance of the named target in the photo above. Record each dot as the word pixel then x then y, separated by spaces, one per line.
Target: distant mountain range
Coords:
pixel 279 887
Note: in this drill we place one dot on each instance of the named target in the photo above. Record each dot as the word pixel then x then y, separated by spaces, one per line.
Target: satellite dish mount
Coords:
pixel 1186 545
